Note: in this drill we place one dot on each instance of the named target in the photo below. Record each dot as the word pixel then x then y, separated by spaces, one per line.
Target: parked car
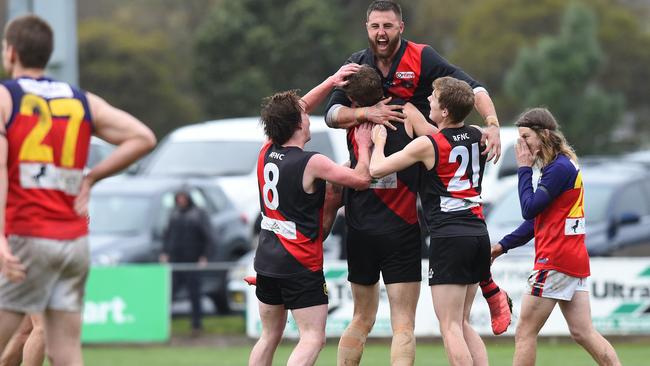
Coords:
pixel 617 210
pixel 128 216
pixel 641 157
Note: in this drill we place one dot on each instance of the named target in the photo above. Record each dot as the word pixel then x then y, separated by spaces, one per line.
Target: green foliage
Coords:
pixel 491 32
pixel 248 49
pixel 132 72
pixel 559 73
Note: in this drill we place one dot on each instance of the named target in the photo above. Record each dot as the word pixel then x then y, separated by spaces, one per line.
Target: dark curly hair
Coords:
pixel 281 115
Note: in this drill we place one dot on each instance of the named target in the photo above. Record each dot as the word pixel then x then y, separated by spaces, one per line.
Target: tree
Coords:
pixel 560 73
pixel 246 49
pixel 492 31
pixel 126 69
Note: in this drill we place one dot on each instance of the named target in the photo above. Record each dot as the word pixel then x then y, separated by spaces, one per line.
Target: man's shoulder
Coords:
pixel 418 46
pixel 361 56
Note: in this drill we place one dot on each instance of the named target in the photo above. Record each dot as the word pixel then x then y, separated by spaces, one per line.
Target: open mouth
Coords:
pixel 382 43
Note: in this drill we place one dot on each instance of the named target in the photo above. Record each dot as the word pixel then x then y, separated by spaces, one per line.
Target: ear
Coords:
pixel 13 55
pixel 401 27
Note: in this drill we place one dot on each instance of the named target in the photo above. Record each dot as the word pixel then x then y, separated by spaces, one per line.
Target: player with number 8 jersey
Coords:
pixel 297 207
pixel 291 218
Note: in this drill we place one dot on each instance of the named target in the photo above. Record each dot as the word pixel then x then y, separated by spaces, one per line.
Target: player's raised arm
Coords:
pixel 420 125
pixel 316 96
pixel 320 166
pixel 419 149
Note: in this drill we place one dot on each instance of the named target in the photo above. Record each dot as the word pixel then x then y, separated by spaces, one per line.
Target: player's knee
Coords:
pixel 524 333
pixel 363 323
pixel 315 338
pixel 580 334
pixel 273 336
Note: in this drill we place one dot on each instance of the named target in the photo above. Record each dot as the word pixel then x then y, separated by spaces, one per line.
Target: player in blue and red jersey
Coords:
pixel 292 189
pixel 450 187
pixel 554 216
pixel 45 135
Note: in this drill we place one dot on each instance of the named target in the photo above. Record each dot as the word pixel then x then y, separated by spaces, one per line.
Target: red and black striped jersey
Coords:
pixel 411 75
pixel 389 204
pixel 291 235
pixel 48 134
pixel 451 190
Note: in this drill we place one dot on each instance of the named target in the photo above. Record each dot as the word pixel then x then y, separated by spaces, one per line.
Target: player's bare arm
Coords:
pixel 10 265
pixel 418 150
pixel 321 167
pixel 316 96
pixel 416 120
pixel 491 136
pixel 381 113
pixel 333 201
pixel 132 137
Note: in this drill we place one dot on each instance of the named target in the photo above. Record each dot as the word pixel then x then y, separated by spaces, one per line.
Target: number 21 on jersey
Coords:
pixel 457 183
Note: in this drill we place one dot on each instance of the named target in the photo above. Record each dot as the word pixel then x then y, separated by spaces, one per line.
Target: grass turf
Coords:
pixel 200 352
pixel 428 353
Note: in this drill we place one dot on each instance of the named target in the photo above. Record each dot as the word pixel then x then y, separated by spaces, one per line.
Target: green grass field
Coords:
pixel 375 355
pixel 198 352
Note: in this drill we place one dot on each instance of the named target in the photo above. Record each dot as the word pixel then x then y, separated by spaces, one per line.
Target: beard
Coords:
pixel 386 52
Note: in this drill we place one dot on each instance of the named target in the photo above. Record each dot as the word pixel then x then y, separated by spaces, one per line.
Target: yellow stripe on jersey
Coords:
pixel 578 183
pixel 578 208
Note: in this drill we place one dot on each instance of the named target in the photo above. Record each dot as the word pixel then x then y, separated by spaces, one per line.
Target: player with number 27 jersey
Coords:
pixel 451 190
pixel 291 239
pixel 51 125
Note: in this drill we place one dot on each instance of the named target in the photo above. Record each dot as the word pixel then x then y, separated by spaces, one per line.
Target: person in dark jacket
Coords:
pixel 187 240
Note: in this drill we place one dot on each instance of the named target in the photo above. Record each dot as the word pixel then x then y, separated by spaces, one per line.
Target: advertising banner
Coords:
pixel 619 291
pixel 127 304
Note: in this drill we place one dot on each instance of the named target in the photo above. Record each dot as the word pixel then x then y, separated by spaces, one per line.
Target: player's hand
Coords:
pixel 338 79
pixel 379 135
pixel 383 114
pixel 81 201
pixel 163 258
pixel 523 154
pixel 495 251
pixel 492 139
pixel 10 266
pixel 362 134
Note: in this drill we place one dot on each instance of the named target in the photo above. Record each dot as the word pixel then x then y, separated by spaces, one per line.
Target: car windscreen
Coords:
pixel 508 211
pixel 118 214
pixel 597 198
pixel 210 158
